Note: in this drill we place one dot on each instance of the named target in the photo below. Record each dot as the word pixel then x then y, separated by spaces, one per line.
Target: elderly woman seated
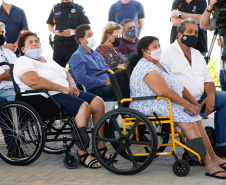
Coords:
pixel 111 38
pixel 152 78
pixel 33 71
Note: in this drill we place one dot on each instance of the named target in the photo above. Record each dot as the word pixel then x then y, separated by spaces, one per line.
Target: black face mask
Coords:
pixel 189 40
pixel 116 42
pixel 2 40
pixel 66 5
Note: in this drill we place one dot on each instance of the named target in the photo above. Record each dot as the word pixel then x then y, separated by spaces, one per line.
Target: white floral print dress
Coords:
pixel 138 88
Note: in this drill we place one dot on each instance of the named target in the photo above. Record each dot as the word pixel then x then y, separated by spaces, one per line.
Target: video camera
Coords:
pixel 220 3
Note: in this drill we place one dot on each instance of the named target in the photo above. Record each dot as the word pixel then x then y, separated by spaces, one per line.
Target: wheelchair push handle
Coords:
pixel 109 71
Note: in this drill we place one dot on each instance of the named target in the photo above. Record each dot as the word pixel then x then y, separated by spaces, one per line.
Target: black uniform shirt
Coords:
pixel 67 18
pixel 194 7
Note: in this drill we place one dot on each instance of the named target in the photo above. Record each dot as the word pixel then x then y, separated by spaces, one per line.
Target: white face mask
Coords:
pixel 91 42
pixel 8 1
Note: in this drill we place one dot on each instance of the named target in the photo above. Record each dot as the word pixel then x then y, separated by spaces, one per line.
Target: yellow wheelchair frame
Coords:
pixel 126 138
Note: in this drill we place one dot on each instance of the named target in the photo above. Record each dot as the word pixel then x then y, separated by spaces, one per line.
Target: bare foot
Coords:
pixel 218 160
pixel 211 168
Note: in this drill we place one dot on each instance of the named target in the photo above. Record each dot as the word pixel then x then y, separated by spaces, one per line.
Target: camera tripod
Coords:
pixel 220 31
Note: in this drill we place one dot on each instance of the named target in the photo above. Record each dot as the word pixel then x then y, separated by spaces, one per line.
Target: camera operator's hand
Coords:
pixel 175 14
pixel 211 5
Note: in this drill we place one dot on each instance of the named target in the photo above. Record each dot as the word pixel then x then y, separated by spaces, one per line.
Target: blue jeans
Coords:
pixel 9 94
pixel 222 81
pixel 106 93
pixel 219 116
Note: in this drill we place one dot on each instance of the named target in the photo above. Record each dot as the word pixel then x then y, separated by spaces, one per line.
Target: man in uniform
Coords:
pixel 183 9
pixel 66 17
pixel 128 9
pixel 15 20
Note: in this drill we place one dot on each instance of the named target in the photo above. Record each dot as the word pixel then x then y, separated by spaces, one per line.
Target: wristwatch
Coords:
pixel 180 13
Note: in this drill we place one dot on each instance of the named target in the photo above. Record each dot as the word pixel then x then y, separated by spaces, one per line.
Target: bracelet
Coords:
pixel 210 11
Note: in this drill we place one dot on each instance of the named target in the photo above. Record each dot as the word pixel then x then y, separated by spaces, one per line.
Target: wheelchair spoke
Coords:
pixel 110 162
pixel 113 119
pixel 111 140
pixel 132 158
pixel 132 128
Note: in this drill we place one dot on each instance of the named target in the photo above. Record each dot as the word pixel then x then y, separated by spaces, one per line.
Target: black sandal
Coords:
pixel 91 163
pixel 103 154
pixel 222 166
pixel 215 174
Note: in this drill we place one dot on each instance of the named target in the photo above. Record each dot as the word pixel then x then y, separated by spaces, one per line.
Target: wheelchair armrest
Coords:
pixel 138 98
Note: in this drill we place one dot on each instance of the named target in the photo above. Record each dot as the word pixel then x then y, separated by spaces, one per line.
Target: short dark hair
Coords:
pixel 80 31
pixel 125 21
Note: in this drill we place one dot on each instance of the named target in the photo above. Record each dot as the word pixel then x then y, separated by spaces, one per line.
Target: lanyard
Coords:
pixel 124 15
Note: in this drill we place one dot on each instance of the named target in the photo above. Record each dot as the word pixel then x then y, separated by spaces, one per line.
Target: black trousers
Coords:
pixel 62 54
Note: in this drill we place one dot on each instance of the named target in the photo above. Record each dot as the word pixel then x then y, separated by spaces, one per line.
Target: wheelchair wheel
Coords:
pixel 124 143
pixel 181 168
pixel 71 161
pixel 22 135
pixel 57 130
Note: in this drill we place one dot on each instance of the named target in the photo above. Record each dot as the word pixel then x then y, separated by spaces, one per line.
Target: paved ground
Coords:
pixel 49 169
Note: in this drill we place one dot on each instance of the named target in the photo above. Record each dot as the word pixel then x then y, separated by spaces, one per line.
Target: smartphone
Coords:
pixel 189 112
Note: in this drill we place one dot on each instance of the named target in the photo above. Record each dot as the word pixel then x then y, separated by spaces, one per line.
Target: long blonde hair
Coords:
pixel 108 29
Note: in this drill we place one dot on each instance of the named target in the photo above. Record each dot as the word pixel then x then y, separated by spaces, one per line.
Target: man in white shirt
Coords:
pixel 190 67
pixel 6 55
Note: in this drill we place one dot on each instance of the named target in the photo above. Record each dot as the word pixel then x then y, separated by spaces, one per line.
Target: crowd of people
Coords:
pixel 178 72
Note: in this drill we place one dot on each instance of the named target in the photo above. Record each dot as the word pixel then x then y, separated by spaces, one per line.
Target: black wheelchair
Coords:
pixel 32 124
pixel 133 139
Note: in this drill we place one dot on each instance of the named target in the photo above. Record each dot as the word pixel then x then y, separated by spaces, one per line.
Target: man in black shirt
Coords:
pixel 66 17
pixel 183 9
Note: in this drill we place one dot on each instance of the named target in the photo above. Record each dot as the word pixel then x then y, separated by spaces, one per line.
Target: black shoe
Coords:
pixel 17 154
pixel 220 151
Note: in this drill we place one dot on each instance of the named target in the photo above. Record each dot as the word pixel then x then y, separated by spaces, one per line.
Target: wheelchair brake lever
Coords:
pixel 159 122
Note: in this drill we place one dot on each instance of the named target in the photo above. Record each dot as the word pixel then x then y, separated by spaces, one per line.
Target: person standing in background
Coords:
pixel 15 20
pixel 128 9
pixel 183 9
pixel 66 17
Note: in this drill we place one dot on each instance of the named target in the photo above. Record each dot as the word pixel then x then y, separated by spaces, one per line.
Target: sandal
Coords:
pixel 91 163
pixel 215 174
pixel 103 154
pixel 222 166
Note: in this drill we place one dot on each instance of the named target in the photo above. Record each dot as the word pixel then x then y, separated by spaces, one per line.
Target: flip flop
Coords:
pixel 222 166
pixel 91 163
pixel 214 174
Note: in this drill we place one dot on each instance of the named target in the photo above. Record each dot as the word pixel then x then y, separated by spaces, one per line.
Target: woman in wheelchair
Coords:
pixel 33 71
pixel 152 78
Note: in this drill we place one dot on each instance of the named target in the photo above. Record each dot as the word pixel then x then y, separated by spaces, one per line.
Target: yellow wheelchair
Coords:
pixel 132 138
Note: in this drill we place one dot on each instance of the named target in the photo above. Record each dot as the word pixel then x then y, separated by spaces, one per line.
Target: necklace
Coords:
pixel 124 15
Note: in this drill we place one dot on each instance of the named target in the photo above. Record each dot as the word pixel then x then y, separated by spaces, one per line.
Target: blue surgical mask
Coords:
pixel 189 40
pixel 33 53
pixel 131 33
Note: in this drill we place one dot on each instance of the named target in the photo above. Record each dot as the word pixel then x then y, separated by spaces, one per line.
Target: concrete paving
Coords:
pixel 49 169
